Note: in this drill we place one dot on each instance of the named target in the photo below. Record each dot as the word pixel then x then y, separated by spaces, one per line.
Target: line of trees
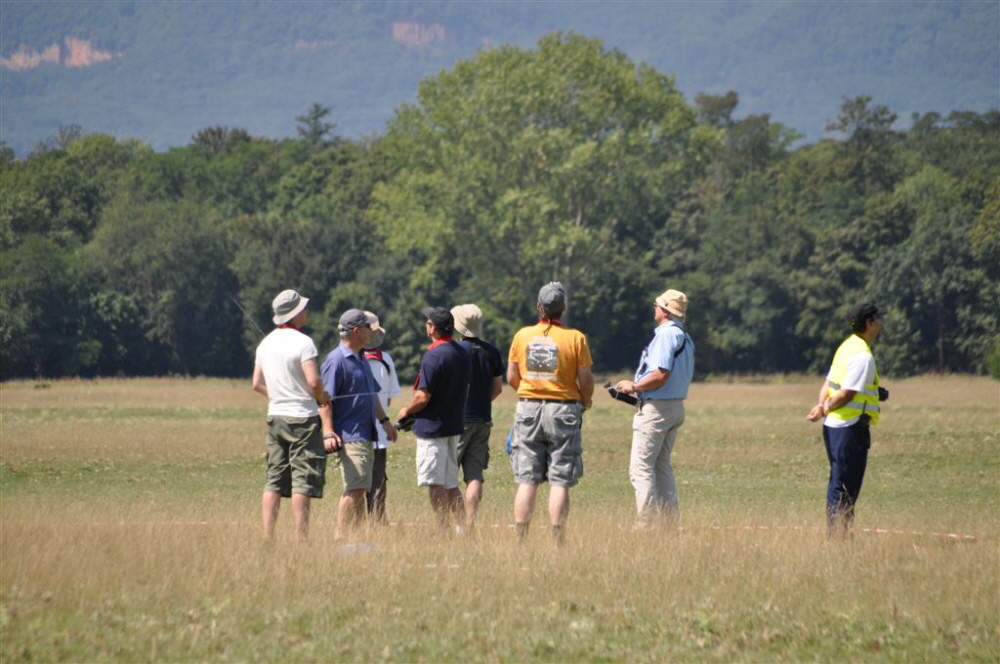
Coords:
pixel 567 161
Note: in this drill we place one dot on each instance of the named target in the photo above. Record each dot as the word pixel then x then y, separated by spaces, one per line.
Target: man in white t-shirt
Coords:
pixel 384 370
pixel 285 371
pixel 849 405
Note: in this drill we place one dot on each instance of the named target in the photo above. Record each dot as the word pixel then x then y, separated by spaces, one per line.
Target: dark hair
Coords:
pixel 553 311
pixel 441 319
pixel 862 314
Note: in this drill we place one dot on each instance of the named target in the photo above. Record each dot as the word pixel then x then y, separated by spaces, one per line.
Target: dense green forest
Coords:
pixel 564 161
pixel 175 67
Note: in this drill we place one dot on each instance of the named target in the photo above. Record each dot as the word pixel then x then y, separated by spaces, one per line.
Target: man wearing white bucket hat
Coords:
pixel 661 384
pixel 285 372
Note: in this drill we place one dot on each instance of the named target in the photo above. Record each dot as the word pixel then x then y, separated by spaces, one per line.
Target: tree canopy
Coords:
pixel 566 161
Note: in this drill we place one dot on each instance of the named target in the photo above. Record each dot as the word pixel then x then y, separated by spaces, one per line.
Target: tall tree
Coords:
pixel 313 129
pixel 523 166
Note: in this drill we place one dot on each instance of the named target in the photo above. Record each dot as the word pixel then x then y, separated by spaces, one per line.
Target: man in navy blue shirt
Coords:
pixel 353 391
pixel 485 384
pixel 438 405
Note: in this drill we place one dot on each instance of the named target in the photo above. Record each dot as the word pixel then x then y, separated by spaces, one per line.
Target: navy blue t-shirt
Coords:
pixel 487 364
pixel 444 372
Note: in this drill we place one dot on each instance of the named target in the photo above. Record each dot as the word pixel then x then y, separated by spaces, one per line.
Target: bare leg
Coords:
pixel 350 511
pixel 558 505
pixel 270 502
pixel 442 502
pixel 473 496
pixel 524 506
pixel 300 514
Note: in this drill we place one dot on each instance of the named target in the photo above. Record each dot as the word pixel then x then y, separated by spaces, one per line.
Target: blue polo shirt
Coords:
pixel 487 364
pixel 659 353
pixel 346 373
pixel 444 372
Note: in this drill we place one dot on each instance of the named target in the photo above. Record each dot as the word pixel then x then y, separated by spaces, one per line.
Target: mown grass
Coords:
pixel 129 531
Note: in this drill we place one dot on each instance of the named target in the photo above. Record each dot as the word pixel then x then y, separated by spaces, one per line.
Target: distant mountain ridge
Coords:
pixel 161 71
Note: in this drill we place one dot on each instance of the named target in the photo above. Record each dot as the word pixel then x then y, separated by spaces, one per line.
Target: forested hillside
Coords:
pixel 159 71
pixel 566 161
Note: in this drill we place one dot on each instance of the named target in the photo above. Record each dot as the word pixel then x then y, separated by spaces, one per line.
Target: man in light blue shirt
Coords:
pixel 661 385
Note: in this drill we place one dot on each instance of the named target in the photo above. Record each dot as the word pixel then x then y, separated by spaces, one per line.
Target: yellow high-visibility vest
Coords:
pixel 866 400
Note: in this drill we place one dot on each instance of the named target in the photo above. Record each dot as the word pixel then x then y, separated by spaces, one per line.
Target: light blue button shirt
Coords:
pixel 660 354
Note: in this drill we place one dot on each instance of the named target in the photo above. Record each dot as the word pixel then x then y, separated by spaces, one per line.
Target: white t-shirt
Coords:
pixel 280 355
pixel 860 372
pixel 389 381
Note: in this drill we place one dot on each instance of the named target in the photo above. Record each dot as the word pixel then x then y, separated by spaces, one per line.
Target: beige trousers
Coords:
pixel 654 432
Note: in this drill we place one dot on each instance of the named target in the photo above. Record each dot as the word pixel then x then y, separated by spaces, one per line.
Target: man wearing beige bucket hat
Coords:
pixel 485 384
pixel 661 385
pixel 285 372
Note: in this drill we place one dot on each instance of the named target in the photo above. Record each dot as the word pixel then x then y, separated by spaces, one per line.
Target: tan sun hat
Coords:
pixel 378 332
pixel 468 320
pixel 673 301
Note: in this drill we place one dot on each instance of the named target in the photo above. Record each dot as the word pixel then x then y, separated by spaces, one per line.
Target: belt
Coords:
pixel 548 400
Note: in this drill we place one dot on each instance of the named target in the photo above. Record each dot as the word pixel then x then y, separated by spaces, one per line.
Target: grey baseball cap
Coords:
pixel 552 297
pixel 355 318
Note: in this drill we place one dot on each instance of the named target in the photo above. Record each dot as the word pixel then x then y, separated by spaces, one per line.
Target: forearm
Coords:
pixel 513 375
pixel 652 380
pixel 258 384
pixel 823 392
pixel 326 418
pixel 585 383
pixel 417 403
pixel 839 398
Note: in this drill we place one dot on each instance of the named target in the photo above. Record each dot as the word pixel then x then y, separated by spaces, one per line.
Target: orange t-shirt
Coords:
pixel 548 357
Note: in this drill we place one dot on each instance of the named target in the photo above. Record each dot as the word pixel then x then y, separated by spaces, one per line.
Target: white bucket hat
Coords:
pixel 287 305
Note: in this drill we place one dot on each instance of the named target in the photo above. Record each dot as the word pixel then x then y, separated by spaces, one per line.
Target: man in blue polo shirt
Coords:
pixel 349 381
pixel 661 383
pixel 438 405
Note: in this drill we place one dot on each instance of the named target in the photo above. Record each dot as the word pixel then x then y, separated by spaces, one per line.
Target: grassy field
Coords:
pixel 129 531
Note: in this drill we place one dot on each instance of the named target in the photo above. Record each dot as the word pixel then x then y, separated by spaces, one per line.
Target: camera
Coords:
pixel 406 423
pixel 619 396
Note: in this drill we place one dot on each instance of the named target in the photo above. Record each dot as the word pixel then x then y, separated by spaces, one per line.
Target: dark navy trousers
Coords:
pixel 847 451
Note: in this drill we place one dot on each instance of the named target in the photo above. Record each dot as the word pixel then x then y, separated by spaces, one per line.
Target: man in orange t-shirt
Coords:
pixel 549 366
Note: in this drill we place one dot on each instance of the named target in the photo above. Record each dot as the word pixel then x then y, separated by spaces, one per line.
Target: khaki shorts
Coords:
pixel 356 459
pixel 547 445
pixel 437 462
pixel 474 450
pixel 296 460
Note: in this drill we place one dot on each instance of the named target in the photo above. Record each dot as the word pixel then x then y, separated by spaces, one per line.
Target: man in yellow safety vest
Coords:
pixel 849 405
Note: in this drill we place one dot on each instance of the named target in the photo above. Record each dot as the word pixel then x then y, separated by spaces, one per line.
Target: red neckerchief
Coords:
pixel 437 342
pixel 287 326
pixel 546 321
pixel 373 354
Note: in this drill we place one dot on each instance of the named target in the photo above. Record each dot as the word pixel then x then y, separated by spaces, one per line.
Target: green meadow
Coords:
pixel 130 531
